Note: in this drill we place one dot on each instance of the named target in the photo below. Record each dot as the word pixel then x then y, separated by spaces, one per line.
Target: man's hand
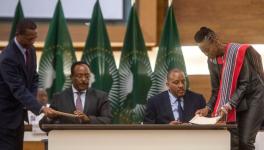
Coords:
pixel 174 122
pixel 83 118
pixel 202 112
pixel 49 112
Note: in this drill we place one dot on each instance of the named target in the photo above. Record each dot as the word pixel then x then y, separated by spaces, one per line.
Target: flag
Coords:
pixel 19 15
pixel 58 55
pixel 169 54
pixel 135 73
pixel 98 54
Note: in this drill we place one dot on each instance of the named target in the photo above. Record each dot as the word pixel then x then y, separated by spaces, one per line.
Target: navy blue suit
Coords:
pixel 159 110
pixel 18 87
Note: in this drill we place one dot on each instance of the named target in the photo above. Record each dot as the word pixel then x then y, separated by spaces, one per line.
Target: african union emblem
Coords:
pixel 55 69
pixel 58 55
pixel 165 62
pixel 135 81
pixel 106 77
pixel 169 55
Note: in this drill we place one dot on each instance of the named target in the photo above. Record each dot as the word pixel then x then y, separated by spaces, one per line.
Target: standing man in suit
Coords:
pixel 18 86
pixel 237 81
pixel 90 105
pixel 176 105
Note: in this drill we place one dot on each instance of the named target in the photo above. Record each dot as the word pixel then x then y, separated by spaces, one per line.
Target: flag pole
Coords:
pixel 170 2
pixel 132 2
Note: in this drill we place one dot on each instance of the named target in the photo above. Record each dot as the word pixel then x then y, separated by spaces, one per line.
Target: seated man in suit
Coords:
pixel 89 105
pixel 176 105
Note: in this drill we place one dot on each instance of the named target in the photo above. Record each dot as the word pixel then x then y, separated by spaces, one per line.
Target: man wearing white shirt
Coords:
pixel 90 105
pixel 176 105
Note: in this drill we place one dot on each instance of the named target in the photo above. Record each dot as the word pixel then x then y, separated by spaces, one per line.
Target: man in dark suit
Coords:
pixel 176 105
pixel 90 105
pixel 18 86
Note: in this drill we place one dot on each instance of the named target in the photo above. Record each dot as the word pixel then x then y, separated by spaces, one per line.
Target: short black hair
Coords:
pixel 204 33
pixel 78 63
pixel 173 70
pixel 25 24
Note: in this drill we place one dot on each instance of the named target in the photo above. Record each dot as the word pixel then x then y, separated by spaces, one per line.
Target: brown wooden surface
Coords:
pixel 161 9
pixel 33 145
pixel 237 21
pixel 201 84
pixel 136 127
pixel 27 127
pixel 234 20
pixel 78 46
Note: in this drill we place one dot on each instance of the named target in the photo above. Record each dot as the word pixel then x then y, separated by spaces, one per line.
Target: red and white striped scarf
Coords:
pixel 232 64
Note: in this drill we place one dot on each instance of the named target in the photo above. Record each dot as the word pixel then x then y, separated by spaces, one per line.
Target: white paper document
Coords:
pixel 204 120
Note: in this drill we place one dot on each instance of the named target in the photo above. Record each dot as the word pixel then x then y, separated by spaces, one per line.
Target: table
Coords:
pixel 138 137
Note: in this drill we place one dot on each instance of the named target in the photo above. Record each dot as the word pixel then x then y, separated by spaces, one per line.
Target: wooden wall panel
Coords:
pixel 161 8
pixel 201 84
pixel 234 20
pixel 33 145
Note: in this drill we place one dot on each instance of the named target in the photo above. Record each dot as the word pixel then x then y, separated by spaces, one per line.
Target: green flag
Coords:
pixel 98 54
pixel 19 15
pixel 135 73
pixel 58 55
pixel 169 54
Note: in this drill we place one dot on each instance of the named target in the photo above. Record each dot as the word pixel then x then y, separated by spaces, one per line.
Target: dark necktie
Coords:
pixel 180 110
pixel 27 53
pixel 78 104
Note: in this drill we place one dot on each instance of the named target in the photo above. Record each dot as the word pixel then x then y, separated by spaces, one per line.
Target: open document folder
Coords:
pixel 204 120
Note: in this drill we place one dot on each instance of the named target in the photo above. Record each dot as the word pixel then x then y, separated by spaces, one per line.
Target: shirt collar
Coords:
pixel 20 47
pixel 76 91
pixel 173 99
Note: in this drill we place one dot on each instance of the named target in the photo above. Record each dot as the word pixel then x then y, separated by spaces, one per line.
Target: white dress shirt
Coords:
pixel 174 105
pixel 75 94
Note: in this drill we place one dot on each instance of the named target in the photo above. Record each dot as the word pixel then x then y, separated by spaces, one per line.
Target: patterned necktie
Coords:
pixel 78 105
pixel 180 110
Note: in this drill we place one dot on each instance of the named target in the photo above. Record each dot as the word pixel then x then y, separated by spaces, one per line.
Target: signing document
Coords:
pixel 204 120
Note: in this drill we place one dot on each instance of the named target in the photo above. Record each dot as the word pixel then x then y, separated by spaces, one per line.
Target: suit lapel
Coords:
pixel 187 105
pixel 89 100
pixel 28 70
pixel 70 96
pixel 168 105
pixel 20 58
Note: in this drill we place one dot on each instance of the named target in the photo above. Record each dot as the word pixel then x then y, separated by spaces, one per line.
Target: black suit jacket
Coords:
pixel 159 109
pixel 18 86
pixel 96 106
